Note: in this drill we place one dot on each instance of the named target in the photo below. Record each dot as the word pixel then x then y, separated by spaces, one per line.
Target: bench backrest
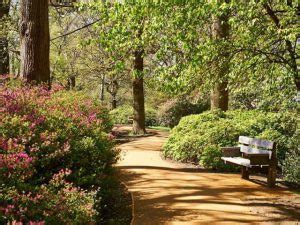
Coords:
pixel 258 143
pixel 261 151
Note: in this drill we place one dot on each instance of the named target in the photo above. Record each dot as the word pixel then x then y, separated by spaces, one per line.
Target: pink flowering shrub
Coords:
pixel 54 154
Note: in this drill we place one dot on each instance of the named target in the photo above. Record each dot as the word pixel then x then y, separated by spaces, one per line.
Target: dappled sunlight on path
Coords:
pixel 175 193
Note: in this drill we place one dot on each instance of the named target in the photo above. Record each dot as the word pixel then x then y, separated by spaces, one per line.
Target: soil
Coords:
pixel 167 192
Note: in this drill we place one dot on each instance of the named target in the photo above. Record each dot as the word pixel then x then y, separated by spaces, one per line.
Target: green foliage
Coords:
pixel 198 138
pixel 291 169
pixel 151 117
pixel 274 91
pixel 211 158
pixel 123 114
pixel 170 112
pixel 258 50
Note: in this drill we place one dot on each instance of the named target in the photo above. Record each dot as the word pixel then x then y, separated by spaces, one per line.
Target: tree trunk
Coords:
pixel 115 89
pixel 113 102
pixel 220 93
pixel 4 54
pixel 102 87
pixel 138 95
pixel 35 41
pixel 293 64
pixel 219 96
pixel 71 82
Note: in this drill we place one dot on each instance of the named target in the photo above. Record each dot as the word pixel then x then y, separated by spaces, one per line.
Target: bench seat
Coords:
pixel 237 160
pixel 242 162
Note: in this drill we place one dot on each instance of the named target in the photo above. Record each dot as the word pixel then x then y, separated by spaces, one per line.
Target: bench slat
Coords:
pixel 243 162
pixel 254 151
pixel 256 142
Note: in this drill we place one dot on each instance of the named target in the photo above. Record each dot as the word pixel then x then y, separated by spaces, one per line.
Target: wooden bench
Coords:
pixel 253 154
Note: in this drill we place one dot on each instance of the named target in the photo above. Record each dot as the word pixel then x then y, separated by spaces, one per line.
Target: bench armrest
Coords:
pixel 231 151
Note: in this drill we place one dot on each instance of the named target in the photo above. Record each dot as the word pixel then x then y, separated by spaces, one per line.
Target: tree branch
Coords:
pixel 76 30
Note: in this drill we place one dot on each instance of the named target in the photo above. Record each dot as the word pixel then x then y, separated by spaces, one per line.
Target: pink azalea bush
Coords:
pixel 55 154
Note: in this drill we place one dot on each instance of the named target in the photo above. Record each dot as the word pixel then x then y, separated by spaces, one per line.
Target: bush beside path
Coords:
pixel 167 192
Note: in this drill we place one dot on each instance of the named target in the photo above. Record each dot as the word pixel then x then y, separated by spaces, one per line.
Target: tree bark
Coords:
pixel 115 89
pixel 138 95
pixel 71 82
pixel 114 102
pixel 102 87
pixel 220 93
pixel 4 54
pixel 220 96
pixel 35 41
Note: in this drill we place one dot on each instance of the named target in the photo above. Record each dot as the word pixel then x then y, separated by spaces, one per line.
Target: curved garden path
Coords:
pixel 165 192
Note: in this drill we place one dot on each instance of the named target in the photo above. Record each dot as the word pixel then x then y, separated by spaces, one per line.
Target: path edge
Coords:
pixel 132 203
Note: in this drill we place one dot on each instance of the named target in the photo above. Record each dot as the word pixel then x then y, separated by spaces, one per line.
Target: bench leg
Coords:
pixel 271 176
pixel 245 172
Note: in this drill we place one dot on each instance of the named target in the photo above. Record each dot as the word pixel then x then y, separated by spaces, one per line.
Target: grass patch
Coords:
pixel 160 128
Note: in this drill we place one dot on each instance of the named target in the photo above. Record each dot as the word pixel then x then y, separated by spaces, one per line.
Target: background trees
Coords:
pixel 180 49
pixel 257 50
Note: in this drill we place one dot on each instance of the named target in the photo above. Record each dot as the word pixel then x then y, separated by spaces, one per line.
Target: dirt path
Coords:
pixel 173 193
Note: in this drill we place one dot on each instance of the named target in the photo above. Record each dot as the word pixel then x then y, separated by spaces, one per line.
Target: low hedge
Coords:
pixel 198 138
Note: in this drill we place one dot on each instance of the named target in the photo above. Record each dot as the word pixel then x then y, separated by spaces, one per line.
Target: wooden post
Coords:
pixel 272 168
pixel 245 172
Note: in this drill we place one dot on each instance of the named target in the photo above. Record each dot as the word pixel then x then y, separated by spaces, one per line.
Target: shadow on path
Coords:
pixel 169 193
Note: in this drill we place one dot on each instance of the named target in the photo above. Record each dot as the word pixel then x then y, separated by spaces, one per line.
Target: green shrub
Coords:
pixel 121 115
pixel 170 113
pixel 291 168
pixel 291 165
pixel 211 157
pixel 151 117
pixel 198 138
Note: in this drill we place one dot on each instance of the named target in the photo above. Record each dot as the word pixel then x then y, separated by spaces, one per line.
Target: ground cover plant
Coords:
pixel 198 138
pixel 55 155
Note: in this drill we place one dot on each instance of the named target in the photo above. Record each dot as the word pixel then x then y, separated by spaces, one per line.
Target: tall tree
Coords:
pixel 35 41
pixel 4 54
pixel 128 31
pixel 138 94
pixel 219 93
